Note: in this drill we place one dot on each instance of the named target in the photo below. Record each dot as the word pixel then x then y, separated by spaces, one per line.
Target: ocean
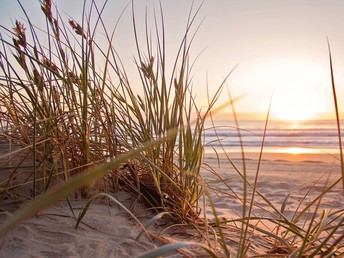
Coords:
pixel 315 136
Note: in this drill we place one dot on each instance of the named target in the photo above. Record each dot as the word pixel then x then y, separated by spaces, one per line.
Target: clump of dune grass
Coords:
pixel 70 105
pixel 168 174
pixel 67 112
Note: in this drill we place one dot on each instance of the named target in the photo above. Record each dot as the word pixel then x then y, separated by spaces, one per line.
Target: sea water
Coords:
pixel 313 136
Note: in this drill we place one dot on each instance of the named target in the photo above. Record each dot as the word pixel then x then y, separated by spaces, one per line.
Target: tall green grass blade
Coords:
pixel 337 114
pixel 151 222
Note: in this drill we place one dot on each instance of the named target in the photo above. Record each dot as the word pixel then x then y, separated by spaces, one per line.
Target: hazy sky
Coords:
pixel 278 45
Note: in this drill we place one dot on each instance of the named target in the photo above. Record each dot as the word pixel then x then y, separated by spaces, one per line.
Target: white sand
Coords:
pixel 112 234
pixel 105 232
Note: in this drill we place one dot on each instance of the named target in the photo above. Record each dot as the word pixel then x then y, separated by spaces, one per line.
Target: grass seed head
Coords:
pixel 49 64
pixel 19 31
pixel 46 8
pixel 77 28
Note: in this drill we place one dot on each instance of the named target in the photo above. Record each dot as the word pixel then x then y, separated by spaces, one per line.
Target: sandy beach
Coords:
pixel 289 182
pixel 105 232
pixel 108 231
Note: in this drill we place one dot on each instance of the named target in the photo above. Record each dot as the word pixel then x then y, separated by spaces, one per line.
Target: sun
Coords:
pixel 298 90
pixel 295 103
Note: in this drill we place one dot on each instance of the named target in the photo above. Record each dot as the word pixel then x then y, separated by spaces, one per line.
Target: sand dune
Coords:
pixel 105 232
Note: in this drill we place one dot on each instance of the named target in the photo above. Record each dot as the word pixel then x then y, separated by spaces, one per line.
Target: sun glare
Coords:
pixel 298 90
pixel 294 103
pixel 296 150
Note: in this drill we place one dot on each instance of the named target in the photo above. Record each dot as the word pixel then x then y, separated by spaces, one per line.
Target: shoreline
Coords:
pixel 278 156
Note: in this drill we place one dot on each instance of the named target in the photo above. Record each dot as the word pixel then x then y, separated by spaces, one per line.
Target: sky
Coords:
pixel 279 47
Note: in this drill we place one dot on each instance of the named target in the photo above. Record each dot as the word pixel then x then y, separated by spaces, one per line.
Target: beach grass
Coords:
pixel 80 128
